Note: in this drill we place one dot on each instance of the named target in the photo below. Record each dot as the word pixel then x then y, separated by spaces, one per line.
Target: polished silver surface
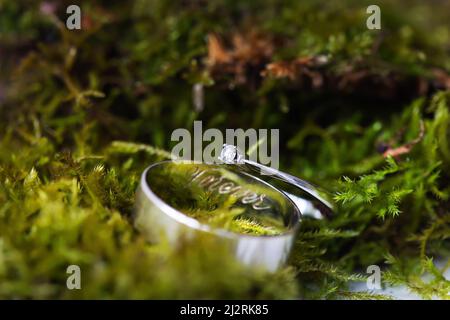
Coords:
pixel 156 219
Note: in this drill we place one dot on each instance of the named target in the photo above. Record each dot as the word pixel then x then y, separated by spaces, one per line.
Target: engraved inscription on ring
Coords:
pixel 224 186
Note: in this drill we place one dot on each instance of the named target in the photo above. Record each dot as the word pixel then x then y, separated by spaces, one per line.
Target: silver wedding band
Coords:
pixel 157 219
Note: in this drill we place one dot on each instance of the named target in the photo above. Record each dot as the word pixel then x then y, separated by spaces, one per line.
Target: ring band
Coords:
pixel 156 215
pixel 320 201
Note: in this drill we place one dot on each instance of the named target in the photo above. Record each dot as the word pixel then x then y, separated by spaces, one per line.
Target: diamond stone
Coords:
pixel 230 154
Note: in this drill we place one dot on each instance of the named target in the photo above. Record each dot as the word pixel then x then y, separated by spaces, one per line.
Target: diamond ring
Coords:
pixel 229 202
pixel 311 200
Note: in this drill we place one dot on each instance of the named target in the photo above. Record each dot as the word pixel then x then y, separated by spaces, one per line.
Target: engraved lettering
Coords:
pixel 226 187
pixel 252 197
pixel 259 204
pixel 215 184
pixel 207 180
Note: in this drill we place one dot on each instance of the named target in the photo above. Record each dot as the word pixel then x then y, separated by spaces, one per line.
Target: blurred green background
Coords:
pixel 83 112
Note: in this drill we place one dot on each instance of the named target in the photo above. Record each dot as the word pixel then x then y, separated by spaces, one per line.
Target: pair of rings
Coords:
pixel 232 202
